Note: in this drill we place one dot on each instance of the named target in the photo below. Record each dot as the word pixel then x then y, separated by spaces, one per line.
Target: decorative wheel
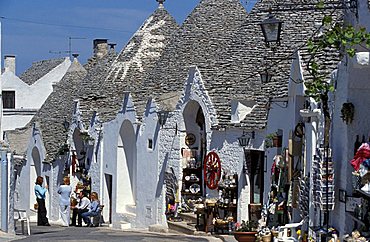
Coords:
pixel 212 170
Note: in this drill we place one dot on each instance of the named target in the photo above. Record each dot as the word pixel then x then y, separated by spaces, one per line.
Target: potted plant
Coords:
pixel 246 231
pixel 273 140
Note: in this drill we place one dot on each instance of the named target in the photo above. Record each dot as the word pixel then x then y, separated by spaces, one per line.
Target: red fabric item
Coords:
pixel 74 158
pixel 273 167
pixel 362 154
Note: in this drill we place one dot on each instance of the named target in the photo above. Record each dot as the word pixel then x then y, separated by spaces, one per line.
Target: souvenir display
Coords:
pixel 195 188
pixel 323 177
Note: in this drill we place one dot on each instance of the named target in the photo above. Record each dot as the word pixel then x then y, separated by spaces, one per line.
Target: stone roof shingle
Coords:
pixel 39 69
pixel 58 106
pixel 129 68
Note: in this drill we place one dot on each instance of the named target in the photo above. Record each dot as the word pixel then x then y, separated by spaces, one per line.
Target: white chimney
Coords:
pixel 9 63
pixel 100 47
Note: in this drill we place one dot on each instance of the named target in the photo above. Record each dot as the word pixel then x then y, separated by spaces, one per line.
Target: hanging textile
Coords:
pixel 362 154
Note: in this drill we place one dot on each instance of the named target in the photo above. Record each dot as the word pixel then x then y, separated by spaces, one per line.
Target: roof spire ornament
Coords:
pixel 160 2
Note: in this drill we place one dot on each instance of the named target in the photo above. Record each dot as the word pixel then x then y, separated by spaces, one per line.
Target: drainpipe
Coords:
pixel 4 189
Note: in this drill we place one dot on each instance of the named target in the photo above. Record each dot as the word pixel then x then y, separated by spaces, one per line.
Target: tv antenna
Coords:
pixel 70 44
pixel 58 52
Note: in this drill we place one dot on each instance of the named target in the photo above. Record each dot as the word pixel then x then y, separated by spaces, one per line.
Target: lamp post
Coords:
pixel 271 29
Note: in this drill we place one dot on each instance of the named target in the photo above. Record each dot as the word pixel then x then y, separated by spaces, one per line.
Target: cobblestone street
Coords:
pixel 83 234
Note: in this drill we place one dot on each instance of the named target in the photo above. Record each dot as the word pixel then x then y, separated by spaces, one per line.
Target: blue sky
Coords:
pixel 115 20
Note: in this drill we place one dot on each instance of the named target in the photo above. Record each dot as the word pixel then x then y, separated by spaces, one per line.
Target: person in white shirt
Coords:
pixel 81 207
pixel 65 191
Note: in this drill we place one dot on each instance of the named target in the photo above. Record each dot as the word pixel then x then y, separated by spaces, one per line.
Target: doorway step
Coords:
pixel 125 225
pixel 187 226
pixel 126 220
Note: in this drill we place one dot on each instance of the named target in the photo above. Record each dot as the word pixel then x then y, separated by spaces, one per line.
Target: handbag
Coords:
pixel 36 206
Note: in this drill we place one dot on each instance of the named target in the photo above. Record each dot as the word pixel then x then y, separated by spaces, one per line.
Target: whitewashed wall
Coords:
pixel 28 98
pixel 26 176
pixel 352 86
pixel 284 115
pixel 107 164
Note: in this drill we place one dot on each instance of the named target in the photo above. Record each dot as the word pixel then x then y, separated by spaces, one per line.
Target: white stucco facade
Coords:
pixel 352 80
pixel 28 98
pixel 132 157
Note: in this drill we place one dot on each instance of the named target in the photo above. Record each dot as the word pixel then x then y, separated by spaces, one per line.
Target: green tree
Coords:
pixel 339 37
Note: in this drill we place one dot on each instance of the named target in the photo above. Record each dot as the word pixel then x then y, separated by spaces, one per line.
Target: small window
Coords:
pixel 150 144
pixel 8 99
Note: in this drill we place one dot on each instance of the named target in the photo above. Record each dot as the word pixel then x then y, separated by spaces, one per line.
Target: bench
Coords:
pixel 98 219
pixel 21 215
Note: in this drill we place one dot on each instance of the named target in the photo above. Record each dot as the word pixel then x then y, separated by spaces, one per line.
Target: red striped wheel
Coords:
pixel 212 170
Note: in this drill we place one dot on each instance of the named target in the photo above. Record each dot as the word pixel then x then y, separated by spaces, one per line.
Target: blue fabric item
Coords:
pixel 86 216
pixel 65 195
pixel 366 163
pixel 94 206
pixel 40 192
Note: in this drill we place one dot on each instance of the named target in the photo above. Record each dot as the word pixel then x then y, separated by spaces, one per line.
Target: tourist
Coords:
pixel 93 209
pixel 40 192
pixel 65 191
pixel 80 208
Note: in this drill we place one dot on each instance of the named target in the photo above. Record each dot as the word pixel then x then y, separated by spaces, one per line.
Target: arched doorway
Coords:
pixel 126 168
pixel 35 171
pixel 193 151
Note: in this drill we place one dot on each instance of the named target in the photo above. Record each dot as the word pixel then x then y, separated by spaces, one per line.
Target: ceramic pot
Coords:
pixel 277 141
pixel 245 236
pixel 266 238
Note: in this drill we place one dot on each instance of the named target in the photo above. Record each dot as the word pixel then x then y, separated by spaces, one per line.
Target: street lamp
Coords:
pixel 245 139
pixel 266 76
pixel 162 117
pixel 271 29
pixel 244 142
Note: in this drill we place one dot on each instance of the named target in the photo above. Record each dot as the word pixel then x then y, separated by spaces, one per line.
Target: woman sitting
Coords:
pixel 93 209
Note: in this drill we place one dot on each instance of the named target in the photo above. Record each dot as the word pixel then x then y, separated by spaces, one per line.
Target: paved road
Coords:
pixel 83 234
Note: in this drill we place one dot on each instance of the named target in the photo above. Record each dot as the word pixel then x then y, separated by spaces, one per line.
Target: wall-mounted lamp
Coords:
pixel 266 76
pixel 245 139
pixel 271 29
pixel 162 117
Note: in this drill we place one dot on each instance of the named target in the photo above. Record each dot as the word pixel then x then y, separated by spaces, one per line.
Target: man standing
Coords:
pixel 80 208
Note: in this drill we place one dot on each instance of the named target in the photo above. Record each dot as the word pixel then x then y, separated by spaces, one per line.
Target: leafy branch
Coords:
pixel 338 37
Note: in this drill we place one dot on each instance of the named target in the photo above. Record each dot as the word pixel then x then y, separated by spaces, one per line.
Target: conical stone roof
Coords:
pixel 241 79
pixel 201 42
pixel 131 65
